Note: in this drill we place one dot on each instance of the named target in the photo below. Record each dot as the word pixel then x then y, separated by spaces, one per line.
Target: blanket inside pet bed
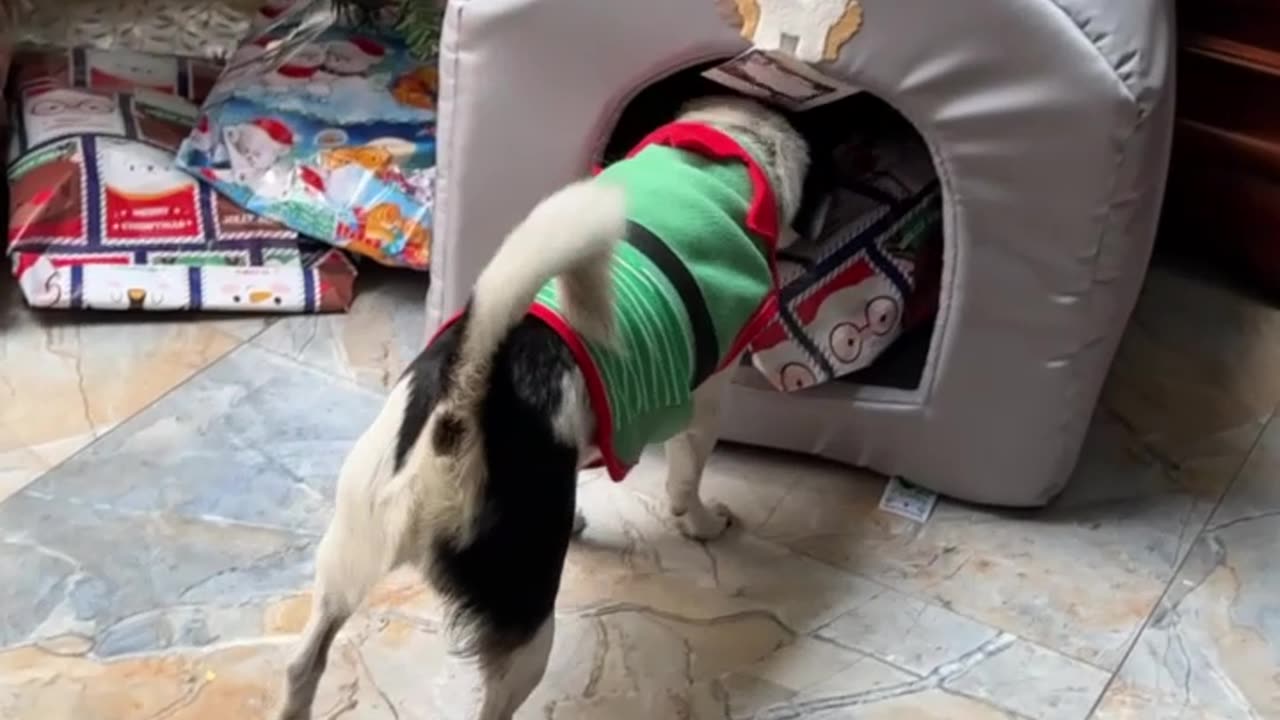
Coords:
pixel 858 293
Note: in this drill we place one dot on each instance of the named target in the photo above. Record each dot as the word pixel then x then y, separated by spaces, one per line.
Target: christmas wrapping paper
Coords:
pixel 329 130
pixel 101 219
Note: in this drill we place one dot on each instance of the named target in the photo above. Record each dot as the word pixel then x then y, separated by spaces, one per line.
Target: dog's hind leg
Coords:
pixel 503 590
pixel 505 679
pixel 370 529
pixel 502 586
pixel 330 609
pixel 347 568
pixel 687 455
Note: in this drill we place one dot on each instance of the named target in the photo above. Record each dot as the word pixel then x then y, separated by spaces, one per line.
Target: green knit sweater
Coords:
pixel 689 280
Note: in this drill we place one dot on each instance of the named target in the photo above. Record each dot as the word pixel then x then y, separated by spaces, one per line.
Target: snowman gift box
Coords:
pixel 101 219
pixel 332 135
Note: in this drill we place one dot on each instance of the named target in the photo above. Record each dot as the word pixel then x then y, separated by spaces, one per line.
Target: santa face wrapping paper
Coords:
pixel 100 218
pixel 332 133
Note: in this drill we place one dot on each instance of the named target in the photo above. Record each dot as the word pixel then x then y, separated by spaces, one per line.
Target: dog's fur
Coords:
pixel 469 472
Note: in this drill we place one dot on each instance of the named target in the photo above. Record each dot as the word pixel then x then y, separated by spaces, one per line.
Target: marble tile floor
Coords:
pixel 163 482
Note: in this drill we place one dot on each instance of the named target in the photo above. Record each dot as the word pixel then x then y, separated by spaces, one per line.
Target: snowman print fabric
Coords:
pixel 868 270
pixel 329 131
pixel 100 218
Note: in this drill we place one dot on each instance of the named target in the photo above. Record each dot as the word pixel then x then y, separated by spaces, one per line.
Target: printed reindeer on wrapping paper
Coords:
pixel 810 30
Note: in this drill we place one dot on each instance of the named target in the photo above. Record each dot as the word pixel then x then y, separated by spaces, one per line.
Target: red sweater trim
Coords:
pixel 444 326
pixel 596 393
pixel 762 214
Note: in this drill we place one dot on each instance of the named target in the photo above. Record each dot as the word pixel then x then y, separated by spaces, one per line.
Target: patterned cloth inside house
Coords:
pixel 867 271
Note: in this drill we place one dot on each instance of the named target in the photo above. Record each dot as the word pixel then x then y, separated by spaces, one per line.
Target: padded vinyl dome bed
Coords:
pixel 1049 125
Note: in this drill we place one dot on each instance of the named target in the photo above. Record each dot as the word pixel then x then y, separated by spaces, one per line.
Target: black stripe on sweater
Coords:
pixel 706 345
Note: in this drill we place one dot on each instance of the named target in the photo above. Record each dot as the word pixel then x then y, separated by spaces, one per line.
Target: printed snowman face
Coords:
pixel 878 319
pixel 139 170
pixel 122 69
pixel 788 367
pixel 111 287
pixel 343 57
pixel 136 297
pixel 63 111
pixel 261 289
pixel 797 376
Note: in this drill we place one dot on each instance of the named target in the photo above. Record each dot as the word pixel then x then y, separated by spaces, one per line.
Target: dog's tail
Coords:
pixel 569 236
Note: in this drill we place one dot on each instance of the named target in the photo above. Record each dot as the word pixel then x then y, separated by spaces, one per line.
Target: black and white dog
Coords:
pixel 469 472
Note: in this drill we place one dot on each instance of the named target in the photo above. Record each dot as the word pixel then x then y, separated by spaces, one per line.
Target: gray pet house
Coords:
pixel 1049 123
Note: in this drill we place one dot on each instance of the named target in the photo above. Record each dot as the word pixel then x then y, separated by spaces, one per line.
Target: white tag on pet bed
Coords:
pixel 906 500
pixel 779 79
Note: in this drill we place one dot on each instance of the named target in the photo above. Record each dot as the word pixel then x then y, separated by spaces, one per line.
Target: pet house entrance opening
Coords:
pixel 860 291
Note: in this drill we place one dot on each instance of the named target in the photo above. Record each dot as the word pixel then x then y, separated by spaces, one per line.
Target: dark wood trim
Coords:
pixel 1229 51
pixel 1224 183
pixel 1260 154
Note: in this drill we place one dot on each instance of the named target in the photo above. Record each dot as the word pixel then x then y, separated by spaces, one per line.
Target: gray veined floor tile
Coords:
pixel 256 439
pixel 1212 648
pixel 947 652
pixel 1078 577
pixel 66 379
pixel 371 343
pixel 133 582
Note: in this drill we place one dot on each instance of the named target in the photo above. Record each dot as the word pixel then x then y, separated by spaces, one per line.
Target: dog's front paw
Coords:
pixel 705 522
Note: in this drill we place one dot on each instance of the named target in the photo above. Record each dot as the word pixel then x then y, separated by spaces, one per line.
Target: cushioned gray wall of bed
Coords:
pixel 1049 123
